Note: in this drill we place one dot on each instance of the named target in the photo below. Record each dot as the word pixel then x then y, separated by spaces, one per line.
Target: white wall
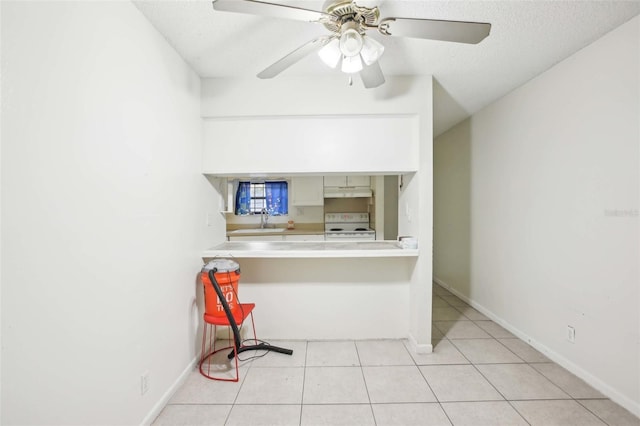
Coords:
pixel 103 213
pixel 452 207
pixel 331 96
pixel 552 176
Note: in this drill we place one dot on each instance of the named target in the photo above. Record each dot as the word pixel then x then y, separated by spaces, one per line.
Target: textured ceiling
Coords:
pixel 527 38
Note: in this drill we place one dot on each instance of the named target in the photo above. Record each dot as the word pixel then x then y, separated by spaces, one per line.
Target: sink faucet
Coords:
pixel 264 218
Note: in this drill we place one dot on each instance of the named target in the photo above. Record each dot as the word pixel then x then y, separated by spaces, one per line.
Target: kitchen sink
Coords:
pixel 258 231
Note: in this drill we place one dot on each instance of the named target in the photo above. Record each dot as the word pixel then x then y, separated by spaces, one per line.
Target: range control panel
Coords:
pixel 346 217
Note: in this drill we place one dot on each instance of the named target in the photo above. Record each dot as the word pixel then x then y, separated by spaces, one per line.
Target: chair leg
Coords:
pixel 208 354
pixel 253 325
pixel 203 351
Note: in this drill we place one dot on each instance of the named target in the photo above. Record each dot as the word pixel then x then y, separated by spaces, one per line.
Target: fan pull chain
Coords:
pixel 350 81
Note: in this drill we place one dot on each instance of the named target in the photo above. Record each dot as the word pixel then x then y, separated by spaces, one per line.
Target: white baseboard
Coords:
pixel 599 385
pixel 162 402
pixel 441 283
pixel 419 348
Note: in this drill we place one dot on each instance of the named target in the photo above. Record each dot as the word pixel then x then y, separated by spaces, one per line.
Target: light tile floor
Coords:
pixel 479 374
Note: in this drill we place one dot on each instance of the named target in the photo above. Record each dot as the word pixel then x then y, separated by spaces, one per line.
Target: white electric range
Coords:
pixel 348 226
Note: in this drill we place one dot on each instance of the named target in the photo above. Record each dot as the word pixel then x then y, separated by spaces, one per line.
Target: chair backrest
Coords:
pixel 227 310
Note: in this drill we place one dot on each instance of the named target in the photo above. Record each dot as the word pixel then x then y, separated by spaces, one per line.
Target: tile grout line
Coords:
pixel 304 378
pixel 508 401
pixel 523 361
pixel 444 337
pixel 415 363
pixel 435 396
pixel 571 397
pixel 366 388
pixel 428 385
pixel 233 404
pixel 596 416
pixel 482 375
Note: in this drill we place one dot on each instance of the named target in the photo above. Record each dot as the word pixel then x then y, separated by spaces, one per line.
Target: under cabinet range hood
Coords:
pixel 347 192
pixel 347 186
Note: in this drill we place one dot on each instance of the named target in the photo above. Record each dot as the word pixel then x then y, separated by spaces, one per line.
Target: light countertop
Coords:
pixel 300 229
pixel 308 249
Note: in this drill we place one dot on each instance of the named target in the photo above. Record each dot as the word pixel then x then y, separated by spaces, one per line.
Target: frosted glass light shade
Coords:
pixel 351 64
pixel 351 42
pixel 331 54
pixel 371 51
pixel 353 48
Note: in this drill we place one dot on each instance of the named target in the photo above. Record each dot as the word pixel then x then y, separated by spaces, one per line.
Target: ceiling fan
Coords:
pixel 348 45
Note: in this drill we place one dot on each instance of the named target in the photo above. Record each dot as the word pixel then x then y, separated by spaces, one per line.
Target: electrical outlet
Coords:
pixel 571 334
pixel 144 383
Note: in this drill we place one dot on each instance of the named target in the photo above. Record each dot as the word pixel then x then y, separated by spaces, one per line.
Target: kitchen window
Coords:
pixel 252 197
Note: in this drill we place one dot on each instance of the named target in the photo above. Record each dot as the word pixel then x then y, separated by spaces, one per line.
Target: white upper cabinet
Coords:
pixel 307 191
pixel 347 181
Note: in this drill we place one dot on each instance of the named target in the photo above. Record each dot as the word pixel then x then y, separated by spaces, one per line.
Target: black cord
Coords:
pixel 256 340
pixel 261 343
pixel 238 348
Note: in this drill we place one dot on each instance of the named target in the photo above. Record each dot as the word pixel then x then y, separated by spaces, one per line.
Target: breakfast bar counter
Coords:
pixel 325 290
pixel 308 249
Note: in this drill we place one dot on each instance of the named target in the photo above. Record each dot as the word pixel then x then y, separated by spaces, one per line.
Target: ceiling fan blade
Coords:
pixel 371 75
pixel 293 57
pixel 254 7
pixel 432 29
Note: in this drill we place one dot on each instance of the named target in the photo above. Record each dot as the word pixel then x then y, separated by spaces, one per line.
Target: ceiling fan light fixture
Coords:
pixel 348 46
pixel 331 54
pixel 371 51
pixel 351 64
pixel 351 41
